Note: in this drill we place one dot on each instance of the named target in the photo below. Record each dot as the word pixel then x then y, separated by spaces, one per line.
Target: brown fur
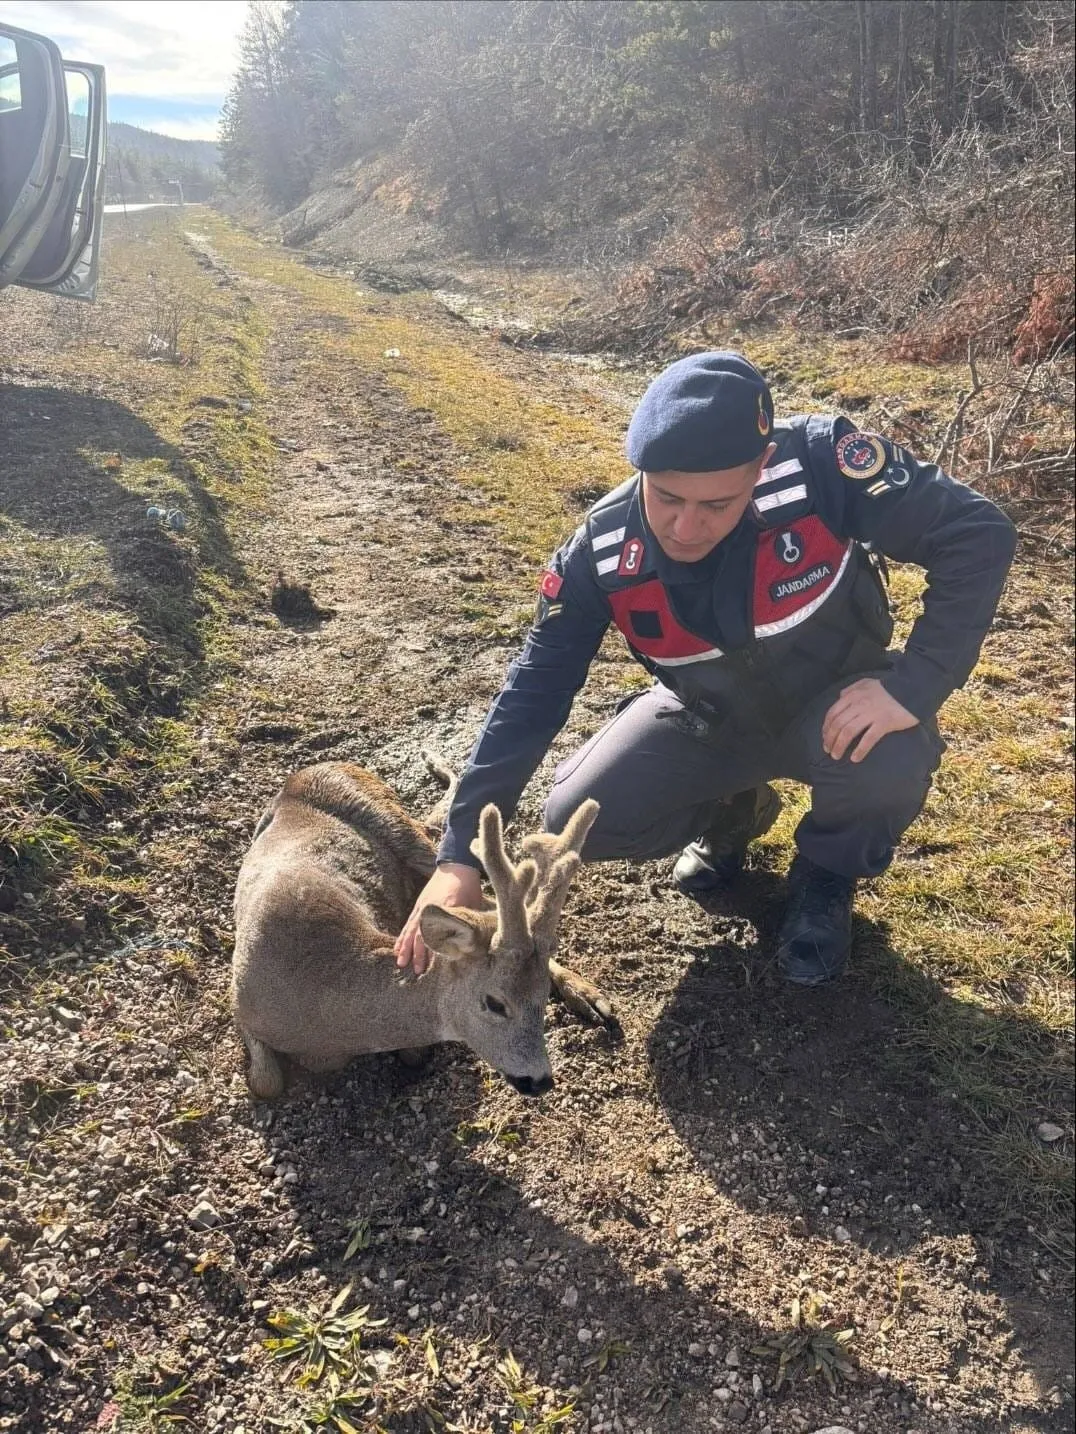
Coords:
pixel 333 872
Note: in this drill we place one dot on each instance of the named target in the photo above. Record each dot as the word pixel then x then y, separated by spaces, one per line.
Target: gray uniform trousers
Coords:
pixel 659 777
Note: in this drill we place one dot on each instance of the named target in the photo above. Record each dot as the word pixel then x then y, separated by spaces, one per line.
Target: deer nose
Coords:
pixel 527 1085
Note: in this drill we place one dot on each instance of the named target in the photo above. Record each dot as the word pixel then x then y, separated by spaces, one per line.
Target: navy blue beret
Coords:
pixel 706 412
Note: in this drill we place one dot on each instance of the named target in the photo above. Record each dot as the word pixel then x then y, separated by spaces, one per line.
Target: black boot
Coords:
pixel 715 861
pixel 816 933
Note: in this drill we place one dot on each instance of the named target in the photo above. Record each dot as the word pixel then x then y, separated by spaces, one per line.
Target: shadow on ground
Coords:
pixel 847 1083
pixel 62 460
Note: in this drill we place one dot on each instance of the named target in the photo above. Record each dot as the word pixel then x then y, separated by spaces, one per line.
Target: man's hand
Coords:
pixel 452 884
pixel 864 711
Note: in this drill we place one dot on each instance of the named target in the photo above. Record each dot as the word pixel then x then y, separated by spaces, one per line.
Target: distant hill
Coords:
pixel 142 165
pixel 202 153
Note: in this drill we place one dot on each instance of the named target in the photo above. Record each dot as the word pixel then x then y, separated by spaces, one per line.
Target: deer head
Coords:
pixel 498 959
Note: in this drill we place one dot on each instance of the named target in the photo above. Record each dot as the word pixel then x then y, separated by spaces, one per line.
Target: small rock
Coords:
pixel 570 1298
pixel 732 1359
pixel 841 1235
pixel 203 1216
pixel 583 1335
pixel 737 1412
pixel 1048 1132
pixel 28 1306
pixel 756 1385
pixel 834 1429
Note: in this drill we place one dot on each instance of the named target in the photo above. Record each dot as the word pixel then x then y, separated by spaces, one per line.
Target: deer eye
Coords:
pixel 498 1008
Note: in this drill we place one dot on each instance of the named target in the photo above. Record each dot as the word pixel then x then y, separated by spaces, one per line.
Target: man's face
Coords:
pixel 690 513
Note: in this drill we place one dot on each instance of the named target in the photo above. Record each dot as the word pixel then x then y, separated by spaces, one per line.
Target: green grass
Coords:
pixel 116 627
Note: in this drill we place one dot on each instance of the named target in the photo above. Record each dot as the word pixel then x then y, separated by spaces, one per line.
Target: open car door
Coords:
pixel 52 157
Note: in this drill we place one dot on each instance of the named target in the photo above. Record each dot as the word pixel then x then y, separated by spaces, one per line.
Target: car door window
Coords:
pixel 34 152
pixel 53 251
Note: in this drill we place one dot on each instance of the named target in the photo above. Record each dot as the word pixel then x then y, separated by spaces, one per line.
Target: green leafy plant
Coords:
pixel 146 1401
pixel 358 1237
pixel 331 1340
pixel 599 1361
pixel 330 1410
pixel 524 1396
pixel 811 1347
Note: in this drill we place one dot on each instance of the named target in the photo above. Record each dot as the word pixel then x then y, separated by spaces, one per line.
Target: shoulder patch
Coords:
pixel 548 591
pixel 551 584
pixel 860 455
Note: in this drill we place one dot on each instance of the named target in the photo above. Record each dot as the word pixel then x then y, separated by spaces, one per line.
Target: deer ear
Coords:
pixel 454 933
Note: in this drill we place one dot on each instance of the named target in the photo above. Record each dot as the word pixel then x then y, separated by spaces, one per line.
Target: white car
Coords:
pixel 52 166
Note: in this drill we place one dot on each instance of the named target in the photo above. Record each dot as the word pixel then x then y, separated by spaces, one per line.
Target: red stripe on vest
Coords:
pixel 794 566
pixel 649 601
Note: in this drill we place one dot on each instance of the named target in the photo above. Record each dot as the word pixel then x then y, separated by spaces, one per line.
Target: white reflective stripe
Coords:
pixel 781 497
pixel 683 661
pixel 608 565
pixel 606 540
pixel 780 470
pixel 769 629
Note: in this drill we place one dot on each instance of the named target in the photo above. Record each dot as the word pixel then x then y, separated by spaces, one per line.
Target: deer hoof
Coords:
pixel 585 1000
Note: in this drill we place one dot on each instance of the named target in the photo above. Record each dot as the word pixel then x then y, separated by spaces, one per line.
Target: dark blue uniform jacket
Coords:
pixel 962 540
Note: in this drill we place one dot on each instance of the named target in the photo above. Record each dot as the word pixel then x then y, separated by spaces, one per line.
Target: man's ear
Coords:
pixel 456 933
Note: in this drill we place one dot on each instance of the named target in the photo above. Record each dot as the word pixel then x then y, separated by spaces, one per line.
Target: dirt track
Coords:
pixel 635 1239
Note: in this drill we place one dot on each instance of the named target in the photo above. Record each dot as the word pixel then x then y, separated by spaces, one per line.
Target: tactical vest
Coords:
pixel 818 607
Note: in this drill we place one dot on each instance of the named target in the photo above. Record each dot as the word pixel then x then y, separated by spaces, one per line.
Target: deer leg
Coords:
pixel 583 997
pixel 265 1074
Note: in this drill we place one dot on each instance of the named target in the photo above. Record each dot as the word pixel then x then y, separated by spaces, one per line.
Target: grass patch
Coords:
pixel 524 455
pixel 124 483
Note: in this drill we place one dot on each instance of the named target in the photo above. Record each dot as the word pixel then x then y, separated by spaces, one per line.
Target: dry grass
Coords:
pixel 115 619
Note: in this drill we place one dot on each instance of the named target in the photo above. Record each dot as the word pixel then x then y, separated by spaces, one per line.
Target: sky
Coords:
pixel 168 63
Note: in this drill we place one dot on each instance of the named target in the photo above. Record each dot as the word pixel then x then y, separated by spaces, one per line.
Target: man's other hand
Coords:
pixel 862 715
pixel 452 884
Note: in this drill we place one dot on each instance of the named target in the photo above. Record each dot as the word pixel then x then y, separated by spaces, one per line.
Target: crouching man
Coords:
pixel 744 565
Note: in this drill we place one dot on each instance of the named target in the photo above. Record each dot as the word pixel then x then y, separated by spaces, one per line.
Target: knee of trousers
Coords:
pixel 562 802
pixel 606 841
pixel 893 778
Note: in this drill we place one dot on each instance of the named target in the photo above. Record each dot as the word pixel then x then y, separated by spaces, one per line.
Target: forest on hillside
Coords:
pixel 858 160
pixel 144 165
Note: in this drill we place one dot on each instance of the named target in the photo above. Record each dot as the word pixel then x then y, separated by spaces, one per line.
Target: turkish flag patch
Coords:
pixel 551 584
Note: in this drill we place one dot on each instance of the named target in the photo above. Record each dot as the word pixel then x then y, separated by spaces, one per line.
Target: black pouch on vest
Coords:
pixel 870 601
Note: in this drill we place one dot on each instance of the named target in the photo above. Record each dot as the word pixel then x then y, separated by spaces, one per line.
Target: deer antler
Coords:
pixel 544 848
pixel 545 909
pixel 557 858
pixel 512 885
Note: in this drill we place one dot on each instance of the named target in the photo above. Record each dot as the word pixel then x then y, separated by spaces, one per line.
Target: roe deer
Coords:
pixel 333 872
